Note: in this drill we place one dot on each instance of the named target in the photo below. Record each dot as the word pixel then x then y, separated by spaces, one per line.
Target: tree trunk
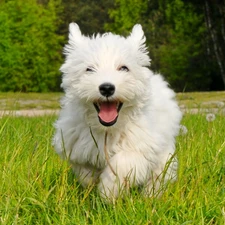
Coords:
pixel 214 34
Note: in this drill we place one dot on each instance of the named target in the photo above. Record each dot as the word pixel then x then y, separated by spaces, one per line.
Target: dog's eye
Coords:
pixel 123 68
pixel 90 69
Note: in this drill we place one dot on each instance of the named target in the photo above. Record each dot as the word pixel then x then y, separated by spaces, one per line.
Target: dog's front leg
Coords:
pixel 86 174
pixel 125 169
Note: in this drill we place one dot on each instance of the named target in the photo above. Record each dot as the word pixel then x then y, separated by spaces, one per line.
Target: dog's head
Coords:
pixel 107 74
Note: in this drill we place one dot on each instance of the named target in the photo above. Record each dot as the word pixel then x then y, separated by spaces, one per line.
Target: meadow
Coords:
pixel 36 187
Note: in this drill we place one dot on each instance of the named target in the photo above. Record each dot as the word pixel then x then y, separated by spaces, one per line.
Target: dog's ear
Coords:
pixel 137 34
pixel 74 33
pixel 137 40
pixel 75 39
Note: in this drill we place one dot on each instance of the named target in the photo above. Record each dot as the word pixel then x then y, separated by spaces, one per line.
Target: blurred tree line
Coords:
pixel 186 39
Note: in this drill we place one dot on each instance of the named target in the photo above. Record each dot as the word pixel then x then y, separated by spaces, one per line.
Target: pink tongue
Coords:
pixel 108 112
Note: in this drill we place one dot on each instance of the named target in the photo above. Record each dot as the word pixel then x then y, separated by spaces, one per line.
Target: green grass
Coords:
pixel 201 99
pixel 18 101
pixel 36 187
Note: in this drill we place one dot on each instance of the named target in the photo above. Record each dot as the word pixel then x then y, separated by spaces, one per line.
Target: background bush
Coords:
pixel 30 49
pixel 186 40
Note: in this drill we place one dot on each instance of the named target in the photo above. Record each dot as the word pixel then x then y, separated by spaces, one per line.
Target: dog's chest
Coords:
pixel 95 148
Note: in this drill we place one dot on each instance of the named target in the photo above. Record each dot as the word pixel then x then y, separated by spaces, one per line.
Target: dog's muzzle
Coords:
pixel 108 110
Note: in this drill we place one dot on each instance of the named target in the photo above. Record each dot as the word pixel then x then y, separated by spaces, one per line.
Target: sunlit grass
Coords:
pixel 18 101
pixel 201 99
pixel 38 188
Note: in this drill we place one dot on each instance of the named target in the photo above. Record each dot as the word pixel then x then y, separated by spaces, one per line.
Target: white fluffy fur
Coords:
pixel 142 140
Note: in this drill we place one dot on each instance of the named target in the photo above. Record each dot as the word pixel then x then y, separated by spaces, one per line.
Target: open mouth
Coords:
pixel 108 112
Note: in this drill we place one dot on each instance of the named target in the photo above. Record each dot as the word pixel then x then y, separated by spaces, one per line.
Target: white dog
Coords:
pixel 118 122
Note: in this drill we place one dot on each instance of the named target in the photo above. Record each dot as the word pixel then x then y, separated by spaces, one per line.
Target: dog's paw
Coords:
pixel 109 186
pixel 113 185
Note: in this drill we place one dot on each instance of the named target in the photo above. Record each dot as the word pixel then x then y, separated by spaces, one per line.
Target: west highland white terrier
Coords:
pixel 119 120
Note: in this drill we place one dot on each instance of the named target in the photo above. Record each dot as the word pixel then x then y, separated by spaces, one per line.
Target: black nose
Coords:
pixel 107 89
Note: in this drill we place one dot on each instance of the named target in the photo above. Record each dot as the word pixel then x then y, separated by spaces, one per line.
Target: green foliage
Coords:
pixel 185 39
pixel 90 15
pixel 180 56
pixel 29 48
pixel 126 14
pixel 177 39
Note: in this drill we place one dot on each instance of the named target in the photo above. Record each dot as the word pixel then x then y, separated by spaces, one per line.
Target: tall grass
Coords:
pixel 36 187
